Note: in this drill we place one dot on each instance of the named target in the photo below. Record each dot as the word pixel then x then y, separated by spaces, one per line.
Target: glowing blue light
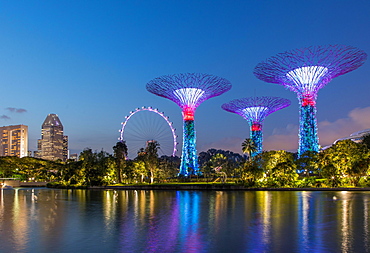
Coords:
pixel 257 138
pixel 308 139
pixel 189 161
pixel 305 71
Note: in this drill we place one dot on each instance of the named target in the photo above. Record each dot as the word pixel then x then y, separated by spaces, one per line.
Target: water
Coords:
pixel 50 220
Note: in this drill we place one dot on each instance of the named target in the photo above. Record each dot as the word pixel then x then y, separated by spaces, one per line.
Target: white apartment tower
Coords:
pixel 14 140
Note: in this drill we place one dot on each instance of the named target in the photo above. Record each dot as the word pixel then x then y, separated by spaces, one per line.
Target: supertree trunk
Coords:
pixel 255 110
pixel 188 91
pixel 305 71
pixel 257 137
pixel 308 139
pixel 189 161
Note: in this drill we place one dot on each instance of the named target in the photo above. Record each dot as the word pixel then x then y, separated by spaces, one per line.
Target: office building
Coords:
pixel 53 145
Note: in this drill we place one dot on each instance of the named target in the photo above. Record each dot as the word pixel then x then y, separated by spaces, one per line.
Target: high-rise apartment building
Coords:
pixel 14 140
pixel 53 145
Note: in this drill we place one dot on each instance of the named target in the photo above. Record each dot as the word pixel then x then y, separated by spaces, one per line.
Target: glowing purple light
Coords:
pixel 189 96
pixel 307 79
pixel 255 113
pixel 305 71
pixel 188 91
pixel 255 110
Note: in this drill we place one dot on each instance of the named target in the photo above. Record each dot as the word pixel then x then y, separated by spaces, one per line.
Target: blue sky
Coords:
pixel 89 62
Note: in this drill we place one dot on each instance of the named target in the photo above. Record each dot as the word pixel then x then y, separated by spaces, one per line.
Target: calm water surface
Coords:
pixel 50 220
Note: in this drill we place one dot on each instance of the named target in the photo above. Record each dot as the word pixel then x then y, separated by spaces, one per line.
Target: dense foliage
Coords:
pixel 345 164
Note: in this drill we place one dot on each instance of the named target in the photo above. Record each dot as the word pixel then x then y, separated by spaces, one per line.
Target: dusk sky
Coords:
pixel 89 62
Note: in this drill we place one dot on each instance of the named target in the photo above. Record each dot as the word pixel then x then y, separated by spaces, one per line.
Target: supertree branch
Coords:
pixel 305 71
pixel 255 110
pixel 188 91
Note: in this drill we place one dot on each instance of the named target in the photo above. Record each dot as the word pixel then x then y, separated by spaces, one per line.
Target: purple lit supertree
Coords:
pixel 188 91
pixel 305 71
pixel 255 110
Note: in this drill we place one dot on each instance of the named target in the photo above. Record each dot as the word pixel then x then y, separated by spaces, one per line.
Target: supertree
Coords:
pixel 188 91
pixel 305 71
pixel 255 110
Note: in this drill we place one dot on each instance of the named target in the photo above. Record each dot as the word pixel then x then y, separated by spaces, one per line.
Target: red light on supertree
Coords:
pixel 305 71
pixel 255 110
pixel 188 91
pixel 188 113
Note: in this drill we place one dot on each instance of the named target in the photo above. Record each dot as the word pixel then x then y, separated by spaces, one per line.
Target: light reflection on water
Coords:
pixel 50 220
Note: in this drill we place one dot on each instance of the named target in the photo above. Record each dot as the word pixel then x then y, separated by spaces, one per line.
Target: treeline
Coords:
pixel 94 168
pixel 344 164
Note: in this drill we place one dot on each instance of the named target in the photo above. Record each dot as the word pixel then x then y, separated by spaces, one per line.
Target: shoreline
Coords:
pixel 218 187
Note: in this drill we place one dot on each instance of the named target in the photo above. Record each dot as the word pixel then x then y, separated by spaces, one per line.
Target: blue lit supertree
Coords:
pixel 188 91
pixel 255 110
pixel 305 71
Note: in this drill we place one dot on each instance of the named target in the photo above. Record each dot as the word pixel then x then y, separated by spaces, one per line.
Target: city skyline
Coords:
pixel 89 63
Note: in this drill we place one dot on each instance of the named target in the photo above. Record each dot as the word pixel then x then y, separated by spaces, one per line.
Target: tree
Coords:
pixel 279 168
pixel 252 172
pixel 248 146
pixel 285 174
pixel 86 171
pixel 169 166
pixel 70 174
pixel 151 158
pixel 139 170
pixel 7 167
pixel 120 155
pixel 218 162
pixel 307 163
pixel 345 161
pixel 366 140
pixel 231 165
pixel 360 168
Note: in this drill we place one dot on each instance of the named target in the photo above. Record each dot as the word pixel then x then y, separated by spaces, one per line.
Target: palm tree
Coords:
pixel 248 146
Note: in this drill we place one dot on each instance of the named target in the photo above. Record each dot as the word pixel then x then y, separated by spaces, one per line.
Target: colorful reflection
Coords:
pixel 45 220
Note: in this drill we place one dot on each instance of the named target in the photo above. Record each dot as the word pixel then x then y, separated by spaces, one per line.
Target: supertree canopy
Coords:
pixel 255 110
pixel 305 71
pixel 188 91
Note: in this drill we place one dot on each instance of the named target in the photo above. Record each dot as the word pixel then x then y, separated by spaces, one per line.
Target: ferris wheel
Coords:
pixel 144 125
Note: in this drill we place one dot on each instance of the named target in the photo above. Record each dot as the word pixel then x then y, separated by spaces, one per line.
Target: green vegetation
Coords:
pixel 345 164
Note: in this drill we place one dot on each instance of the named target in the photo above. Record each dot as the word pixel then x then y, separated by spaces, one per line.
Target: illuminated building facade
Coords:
pixel 14 140
pixel 305 71
pixel 188 91
pixel 53 145
pixel 255 110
